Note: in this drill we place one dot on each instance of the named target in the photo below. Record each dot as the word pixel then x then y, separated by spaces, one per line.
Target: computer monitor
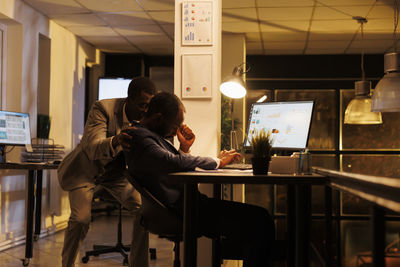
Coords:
pixel 14 128
pixel 288 122
pixel 113 88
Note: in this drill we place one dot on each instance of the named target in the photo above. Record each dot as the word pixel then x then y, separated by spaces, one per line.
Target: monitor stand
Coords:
pixel 2 153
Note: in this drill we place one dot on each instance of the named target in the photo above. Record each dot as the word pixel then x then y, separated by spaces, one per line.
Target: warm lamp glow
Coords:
pixel 233 87
pixel 359 112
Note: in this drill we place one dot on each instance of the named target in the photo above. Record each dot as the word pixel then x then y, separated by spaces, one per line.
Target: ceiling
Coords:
pixel 271 27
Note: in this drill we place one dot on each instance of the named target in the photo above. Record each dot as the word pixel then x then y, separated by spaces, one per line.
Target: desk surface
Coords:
pixel 244 177
pixel 28 166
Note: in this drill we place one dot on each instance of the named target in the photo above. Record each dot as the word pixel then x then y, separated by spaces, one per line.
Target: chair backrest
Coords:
pixel 157 217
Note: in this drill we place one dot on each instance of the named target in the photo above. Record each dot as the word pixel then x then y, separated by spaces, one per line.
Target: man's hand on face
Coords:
pixel 228 156
pixel 186 138
pixel 123 139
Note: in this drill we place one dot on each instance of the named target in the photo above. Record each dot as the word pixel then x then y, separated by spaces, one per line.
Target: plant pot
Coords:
pixel 260 165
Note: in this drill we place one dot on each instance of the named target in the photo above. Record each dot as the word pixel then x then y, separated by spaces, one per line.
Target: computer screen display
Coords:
pixel 14 128
pixel 113 88
pixel 288 122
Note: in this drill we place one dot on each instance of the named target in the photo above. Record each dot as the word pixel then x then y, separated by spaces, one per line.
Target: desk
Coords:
pixel 35 172
pixel 299 207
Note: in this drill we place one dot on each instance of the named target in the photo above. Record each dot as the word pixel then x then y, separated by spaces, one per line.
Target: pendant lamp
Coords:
pixel 358 111
pixel 386 97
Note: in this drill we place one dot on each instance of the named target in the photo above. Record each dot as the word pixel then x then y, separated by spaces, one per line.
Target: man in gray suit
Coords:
pixel 95 162
pixel 247 230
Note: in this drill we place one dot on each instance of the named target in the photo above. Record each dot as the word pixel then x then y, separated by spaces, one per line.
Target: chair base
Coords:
pixel 101 249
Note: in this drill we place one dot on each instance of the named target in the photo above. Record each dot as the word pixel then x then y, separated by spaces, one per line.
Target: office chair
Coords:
pixel 152 210
pixel 119 246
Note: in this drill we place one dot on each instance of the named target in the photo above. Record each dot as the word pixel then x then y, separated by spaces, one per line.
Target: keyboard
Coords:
pixel 238 166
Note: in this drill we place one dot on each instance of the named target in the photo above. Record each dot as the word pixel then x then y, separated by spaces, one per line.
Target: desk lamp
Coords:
pixel 358 110
pixel 234 87
pixel 386 97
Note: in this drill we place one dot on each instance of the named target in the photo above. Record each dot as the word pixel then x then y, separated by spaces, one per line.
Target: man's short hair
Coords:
pixel 141 84
pixel 165 103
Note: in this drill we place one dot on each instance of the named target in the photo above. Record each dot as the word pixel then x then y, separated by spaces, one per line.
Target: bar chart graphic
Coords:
pixel 197 23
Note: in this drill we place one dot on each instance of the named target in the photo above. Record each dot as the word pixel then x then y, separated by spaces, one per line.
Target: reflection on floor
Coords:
pixel 103 230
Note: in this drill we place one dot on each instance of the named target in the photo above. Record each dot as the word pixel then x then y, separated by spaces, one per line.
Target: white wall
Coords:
pixel 67 86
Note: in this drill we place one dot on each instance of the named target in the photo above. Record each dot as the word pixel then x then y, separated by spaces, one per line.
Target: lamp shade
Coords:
pixel 386 97
pixel 358 111
pixel 233 87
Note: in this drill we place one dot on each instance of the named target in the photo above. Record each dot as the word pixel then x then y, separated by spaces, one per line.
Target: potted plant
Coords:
pixel 261 144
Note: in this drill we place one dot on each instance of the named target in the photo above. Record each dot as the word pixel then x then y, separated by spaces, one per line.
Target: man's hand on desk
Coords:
pixel 186 138
pixel 123 139
pixel 228 156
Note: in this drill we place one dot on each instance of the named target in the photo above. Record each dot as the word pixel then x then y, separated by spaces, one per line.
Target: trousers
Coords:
pixel 246 231
pixel 80 200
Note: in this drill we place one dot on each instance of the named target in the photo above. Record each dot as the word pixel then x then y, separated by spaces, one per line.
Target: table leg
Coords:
pixel 29 218
pixel 328 226
pixel 378 237
pixel 216 244
pixel 38 204
pixel 303 223
pixel 190 226
pixel 291 224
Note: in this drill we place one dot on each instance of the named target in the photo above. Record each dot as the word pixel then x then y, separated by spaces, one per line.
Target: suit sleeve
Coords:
pixel 96 142
pixel 147 155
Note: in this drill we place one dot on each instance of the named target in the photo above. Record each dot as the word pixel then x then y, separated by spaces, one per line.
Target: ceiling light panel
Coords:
pixel 49 7
pixel 126 18
pixel 110 5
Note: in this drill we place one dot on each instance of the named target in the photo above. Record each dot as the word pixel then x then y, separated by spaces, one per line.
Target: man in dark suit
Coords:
pixel 95 162
pixel 247 228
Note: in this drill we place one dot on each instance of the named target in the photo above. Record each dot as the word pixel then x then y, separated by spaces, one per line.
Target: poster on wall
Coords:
pixel 197 23
pixel 196 84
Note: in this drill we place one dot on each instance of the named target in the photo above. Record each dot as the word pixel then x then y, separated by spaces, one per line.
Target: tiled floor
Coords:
pixel 47 251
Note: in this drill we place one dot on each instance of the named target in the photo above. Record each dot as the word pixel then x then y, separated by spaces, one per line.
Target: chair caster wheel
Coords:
pixel 25 262
pixel 125 262
pixel 85 259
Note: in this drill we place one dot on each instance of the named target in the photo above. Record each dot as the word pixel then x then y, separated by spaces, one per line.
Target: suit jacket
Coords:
pixel 151 158
pixel 93 156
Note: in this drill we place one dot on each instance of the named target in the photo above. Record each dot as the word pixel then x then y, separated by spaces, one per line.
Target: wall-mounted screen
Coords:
pixel 113 88
pixel 288 122
pixel 14 128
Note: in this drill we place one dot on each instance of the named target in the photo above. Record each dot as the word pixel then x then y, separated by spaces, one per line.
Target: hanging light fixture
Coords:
pixel 386 97
pixel 233 86
pixel 358 111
